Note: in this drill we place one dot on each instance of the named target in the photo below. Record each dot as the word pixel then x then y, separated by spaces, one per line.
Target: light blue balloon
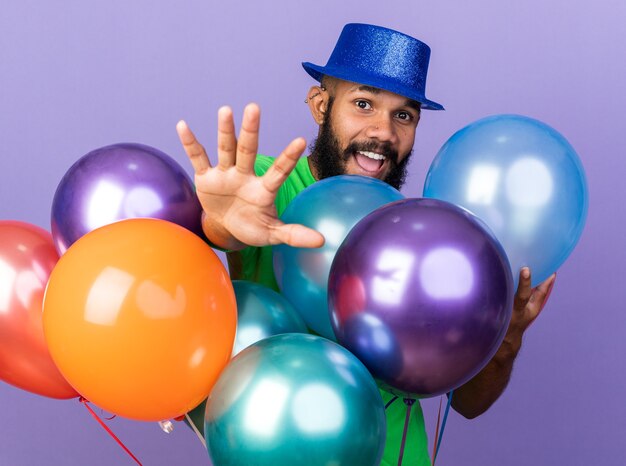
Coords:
pixel 295 399
pixel 331 206
pixel 523 179
pixel 262 313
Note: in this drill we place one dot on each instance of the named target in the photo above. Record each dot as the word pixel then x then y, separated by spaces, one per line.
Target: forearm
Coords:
pixel 476 396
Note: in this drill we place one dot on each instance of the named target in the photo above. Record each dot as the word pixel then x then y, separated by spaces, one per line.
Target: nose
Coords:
pixel 381 128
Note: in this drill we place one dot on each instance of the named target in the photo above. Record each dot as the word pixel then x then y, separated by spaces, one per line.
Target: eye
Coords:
pixel 406 116
pixel 363 104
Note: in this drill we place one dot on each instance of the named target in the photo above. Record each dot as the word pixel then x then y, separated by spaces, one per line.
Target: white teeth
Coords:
pixel 372 155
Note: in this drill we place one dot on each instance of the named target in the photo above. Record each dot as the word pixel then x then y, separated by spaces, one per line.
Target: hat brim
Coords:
pixel 381 82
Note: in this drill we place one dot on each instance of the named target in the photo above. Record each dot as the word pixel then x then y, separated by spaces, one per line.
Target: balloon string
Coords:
pixel 85 402
pixel 391 401
pixel 195 429
pixel 437 430
pixel 443 424
pixel 409 403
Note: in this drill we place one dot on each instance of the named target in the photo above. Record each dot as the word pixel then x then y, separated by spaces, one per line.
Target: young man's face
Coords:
pixel 366 131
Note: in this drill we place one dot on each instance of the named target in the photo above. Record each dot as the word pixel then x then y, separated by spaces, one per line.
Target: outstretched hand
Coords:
pixel 238 207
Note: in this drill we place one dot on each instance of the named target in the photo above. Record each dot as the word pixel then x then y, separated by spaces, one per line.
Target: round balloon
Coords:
pixel 27 257
pixel 421 292
pixel 140 318
pixel 261 313
pixel 524 180
pixel 295 399
pixel 332 207
pixel 118 182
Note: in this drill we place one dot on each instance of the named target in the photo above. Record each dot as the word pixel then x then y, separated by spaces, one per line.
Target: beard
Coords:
pixel 329 159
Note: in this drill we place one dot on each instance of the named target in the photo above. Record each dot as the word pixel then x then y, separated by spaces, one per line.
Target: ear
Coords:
pixel 317 99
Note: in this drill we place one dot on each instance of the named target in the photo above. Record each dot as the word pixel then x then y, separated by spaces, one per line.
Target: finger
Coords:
pixel 551 288
pixel 283 165
pixel 542 292
pixel 194 150
pixel 226 139
pixel 296 235
pixel 524 289
pixel 248 138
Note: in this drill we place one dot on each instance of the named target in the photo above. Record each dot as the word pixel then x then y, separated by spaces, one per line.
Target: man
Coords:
pixel 367 106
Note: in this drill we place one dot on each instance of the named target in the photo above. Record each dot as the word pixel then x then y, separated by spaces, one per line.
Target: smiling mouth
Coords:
pixel 370 162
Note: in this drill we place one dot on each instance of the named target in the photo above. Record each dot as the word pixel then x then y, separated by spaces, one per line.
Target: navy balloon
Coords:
pixel 524 180
pixel 332 207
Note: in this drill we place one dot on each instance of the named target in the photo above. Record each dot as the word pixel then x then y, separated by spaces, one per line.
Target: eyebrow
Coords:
pixel 415 105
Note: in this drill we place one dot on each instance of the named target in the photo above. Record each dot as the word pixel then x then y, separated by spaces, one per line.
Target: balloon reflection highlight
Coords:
pixel 524 180
pixel 332 207
pixel 295 399
pixel 118 182
pixel 421 292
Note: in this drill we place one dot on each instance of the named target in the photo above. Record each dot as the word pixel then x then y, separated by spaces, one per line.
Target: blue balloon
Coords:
pixel 295 399
pixel 262 313
pixel 332 206
pixel 523 179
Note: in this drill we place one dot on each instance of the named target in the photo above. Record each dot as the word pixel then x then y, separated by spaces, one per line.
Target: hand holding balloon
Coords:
pixel 528 302
pixel 476 396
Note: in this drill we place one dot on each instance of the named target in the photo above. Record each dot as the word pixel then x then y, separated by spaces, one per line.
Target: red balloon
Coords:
pixel 27 257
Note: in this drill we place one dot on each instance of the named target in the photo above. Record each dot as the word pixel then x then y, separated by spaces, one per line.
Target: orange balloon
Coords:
pixel 27 256
pixel 140 318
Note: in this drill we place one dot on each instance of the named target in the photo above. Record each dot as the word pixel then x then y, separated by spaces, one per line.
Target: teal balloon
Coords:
pixel 524 180
pixel 261 313
pixel 331 206
pixel 295 399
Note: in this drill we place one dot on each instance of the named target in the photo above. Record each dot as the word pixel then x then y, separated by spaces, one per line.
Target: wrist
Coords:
pixel 509 348
pixel 218 235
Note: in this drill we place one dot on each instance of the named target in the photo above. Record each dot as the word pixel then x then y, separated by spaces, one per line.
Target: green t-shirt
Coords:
pixel 257 266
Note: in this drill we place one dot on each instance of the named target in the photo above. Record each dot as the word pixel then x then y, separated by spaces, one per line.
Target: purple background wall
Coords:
pixel 77 75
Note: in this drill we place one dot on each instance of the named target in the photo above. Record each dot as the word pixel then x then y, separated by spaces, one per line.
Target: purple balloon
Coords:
pixel 421 292
pixel 118 182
